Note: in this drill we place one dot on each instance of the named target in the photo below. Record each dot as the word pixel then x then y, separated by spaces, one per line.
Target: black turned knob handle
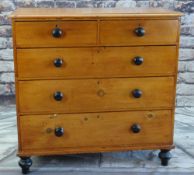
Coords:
pixel 138 60
pixel 59 131
pixel 136 128
pixel 58 96
pixel 58 62
pixel 137 93
pixel 140 31
pixel 57 32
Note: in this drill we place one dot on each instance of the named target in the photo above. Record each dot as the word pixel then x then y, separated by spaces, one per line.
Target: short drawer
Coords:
pixel 90 95
pixel 55 34
pixel 139 32
pixel 53 132
pixel 96 62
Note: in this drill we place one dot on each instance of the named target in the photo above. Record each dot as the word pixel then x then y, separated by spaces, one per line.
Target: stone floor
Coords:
pixel 118 163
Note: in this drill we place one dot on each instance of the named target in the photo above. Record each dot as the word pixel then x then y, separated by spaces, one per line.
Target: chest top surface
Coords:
pixel 60 13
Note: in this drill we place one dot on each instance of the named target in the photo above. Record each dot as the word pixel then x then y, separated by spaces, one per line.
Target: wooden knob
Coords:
pixel 57 32
pixel 58 62
pixel 58 96
pixel 59 131
pixel 140 31
pixel 135 128
pixel 138 60
pixel 137 93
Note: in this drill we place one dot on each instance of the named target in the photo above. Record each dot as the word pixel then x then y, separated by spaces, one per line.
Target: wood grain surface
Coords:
pixel 96 62
pixel 95 95
pixel 88 13
pixel 157 32
pixel 39 34
pixel 95 130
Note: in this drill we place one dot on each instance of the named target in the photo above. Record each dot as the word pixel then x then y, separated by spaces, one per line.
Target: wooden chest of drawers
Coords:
pixel 95 80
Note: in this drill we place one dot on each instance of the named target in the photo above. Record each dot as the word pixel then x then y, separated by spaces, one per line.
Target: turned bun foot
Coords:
pixel 165 156
pixel 25 163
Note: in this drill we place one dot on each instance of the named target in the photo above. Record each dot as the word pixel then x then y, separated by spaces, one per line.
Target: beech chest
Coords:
pixel 95 80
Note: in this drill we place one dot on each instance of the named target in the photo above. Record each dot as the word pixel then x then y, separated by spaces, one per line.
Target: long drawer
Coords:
pixel 116 94
pixel 139 32
pixel 40 34
pixel 96 62
pixel 65 131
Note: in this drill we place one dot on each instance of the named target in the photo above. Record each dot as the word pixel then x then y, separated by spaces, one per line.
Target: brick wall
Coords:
pixel 185 87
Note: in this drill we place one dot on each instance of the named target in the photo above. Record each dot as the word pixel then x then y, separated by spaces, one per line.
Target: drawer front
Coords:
pixel 96 129
pixel 123 32
pixel 51 34
pixel 96 62
pixel 116 94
